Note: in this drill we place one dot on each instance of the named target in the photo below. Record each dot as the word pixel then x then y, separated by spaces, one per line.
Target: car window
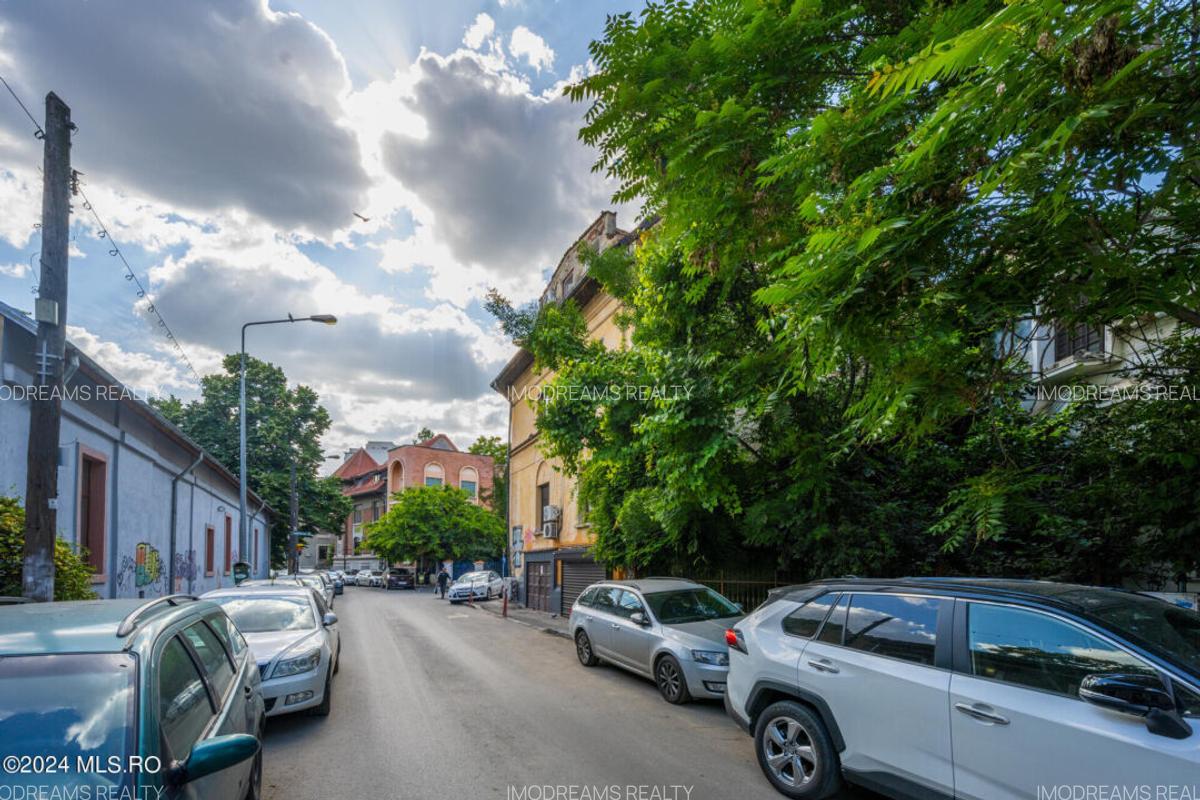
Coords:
pixel 1028 648
pixel 213 657
pixel 807 619
pixel 228 634
pixel 183 705
pixel 893 625
pixel 606 599
pixel 587 598
pixel 628 604
pixel 322 608
pixel 835 625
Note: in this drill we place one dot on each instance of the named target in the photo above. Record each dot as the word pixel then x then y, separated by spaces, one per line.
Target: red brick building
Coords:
pixel 433 462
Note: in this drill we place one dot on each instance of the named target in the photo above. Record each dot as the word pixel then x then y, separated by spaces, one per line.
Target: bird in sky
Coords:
pixel 360 216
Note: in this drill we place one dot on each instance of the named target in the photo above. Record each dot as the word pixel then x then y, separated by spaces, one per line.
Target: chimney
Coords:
pixel 610 224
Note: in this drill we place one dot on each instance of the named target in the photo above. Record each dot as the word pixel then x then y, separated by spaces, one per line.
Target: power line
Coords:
pixel 131 276
pixel 39 133
pixel 115 249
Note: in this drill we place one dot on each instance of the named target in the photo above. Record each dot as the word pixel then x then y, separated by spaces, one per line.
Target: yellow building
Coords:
pixel 549 537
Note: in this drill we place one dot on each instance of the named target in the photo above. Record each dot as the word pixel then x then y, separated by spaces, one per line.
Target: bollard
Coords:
pixel 504 605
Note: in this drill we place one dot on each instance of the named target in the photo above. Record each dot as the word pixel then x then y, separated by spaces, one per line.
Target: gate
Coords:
pixel 537 585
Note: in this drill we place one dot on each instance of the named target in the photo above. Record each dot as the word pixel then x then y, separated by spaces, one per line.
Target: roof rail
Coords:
pixel 131 620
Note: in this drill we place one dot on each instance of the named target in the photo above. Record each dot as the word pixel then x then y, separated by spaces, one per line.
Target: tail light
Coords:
pixel 735 640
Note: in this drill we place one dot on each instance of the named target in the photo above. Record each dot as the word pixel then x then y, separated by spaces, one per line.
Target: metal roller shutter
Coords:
pixel 577 576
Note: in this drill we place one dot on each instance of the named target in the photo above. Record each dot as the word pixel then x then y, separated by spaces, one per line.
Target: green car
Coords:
pixel 128 698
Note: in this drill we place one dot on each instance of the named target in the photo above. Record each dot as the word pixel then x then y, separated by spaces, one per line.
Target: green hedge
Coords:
pixel 71 573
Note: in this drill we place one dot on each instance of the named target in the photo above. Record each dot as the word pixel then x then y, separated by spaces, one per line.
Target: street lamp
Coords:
pixel 243 527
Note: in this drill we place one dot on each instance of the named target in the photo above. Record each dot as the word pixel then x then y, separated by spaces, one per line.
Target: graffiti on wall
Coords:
pixel 142 569
pixel 185 566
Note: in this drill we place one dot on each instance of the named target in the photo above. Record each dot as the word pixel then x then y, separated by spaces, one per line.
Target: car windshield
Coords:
pixel 265 614
pixel 689 605
pixel 313 581
pixel 1172 630
pixel 77 705
pixel 377 572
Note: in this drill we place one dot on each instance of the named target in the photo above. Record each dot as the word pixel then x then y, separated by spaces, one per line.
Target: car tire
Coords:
pixel 671 682
pixel 789 739
pixel 337 663
pixel 583 649
pixel 323 709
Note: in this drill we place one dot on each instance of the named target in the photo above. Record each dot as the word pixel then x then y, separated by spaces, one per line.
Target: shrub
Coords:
pixel 71 573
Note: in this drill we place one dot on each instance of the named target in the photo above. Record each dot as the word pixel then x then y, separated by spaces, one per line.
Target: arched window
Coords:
pixel 395 478
pixel 434 475
pixel 468 479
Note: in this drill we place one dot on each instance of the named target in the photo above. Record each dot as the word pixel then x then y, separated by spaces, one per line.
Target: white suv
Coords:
pixel 984 689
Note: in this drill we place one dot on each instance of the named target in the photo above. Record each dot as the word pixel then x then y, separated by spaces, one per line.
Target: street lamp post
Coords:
pixel 244 524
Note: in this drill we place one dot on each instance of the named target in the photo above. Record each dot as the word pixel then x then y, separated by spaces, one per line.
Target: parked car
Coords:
pixel 350 578
pixel 377 578
pixel 295 641
pixel 339 581
pixel 970 688
pixel 363 578
pixel 666 629
pixel 483 585
pixel 312 581
pixel 169 680
pixel 399 578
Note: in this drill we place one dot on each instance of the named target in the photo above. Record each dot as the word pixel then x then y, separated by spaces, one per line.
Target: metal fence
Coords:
pixel 748 591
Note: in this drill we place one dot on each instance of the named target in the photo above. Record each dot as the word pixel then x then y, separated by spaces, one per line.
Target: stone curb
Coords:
pixel 534 626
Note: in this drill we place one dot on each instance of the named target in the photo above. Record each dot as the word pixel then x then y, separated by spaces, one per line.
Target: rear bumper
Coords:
pixel 742 722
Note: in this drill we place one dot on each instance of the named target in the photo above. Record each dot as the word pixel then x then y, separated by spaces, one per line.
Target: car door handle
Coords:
pixel 982 713
pixel 823 665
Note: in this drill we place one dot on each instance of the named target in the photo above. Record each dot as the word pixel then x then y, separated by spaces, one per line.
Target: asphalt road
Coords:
pixel 441 701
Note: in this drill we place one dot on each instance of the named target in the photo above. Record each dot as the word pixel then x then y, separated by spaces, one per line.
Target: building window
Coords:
pixel 228 543
pixel 434 476
pixel 357 516
pixel 210 543
pixel 543 496
pixel 1069 340
pixel 92 480
pixel 468 480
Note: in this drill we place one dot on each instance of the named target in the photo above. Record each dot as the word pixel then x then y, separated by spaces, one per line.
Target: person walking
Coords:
pixel 443 579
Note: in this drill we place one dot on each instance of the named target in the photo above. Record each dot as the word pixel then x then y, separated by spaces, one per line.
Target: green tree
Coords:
pixel 72 575
pixel 423 435
pixel 435 522
pixel 497 497
pixel 282 424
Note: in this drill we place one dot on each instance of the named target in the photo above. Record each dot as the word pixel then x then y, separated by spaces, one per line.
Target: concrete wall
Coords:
pixel 140 460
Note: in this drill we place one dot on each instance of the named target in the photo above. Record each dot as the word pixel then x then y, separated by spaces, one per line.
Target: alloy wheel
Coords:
pixel 789 751
pixel 669 679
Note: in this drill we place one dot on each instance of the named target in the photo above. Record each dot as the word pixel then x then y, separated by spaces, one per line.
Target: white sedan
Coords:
pixel 483 585
pixel 294 638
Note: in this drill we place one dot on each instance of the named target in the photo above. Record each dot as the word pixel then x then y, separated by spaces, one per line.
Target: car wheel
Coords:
pixel 254 790
pixel 795 752
pixel 583 649
pixel 322 710
pixel 672 685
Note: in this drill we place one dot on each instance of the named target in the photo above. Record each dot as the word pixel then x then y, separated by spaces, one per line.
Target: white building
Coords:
pixel 155 512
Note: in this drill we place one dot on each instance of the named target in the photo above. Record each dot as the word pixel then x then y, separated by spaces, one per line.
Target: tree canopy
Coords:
pixel 436 522
pixel 282 424
pixel 866 209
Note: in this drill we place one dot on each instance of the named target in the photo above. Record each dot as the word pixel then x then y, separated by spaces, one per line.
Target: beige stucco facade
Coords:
pixel 534 478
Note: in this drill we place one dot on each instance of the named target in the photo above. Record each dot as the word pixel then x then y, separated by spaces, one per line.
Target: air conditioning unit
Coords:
pixel 550 530
pixel 551 513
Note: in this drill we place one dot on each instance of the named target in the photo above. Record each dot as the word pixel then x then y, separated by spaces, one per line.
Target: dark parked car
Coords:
pixel 399 578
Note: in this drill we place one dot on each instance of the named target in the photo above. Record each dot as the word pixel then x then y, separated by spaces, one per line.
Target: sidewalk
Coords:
pixel 539 620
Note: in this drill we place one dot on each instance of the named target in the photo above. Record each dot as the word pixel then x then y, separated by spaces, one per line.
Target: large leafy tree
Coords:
pixel 858 202
pixel 497 498
pixel 283 425
pixel 435 522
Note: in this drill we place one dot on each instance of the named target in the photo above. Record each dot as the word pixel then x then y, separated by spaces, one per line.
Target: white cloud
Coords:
pixel 14 270
pixel 501 185
pixel 147 374
pixel 480 29
pixel 526 44
pixel 208 105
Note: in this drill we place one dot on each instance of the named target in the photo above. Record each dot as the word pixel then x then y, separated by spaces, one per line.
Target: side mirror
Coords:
pixel 638 618
pixel 215 754
pixel 330 618
pixel 1140 696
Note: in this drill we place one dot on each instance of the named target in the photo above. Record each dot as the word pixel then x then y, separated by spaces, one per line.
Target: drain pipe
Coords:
pixel 262 504
pixel 175 517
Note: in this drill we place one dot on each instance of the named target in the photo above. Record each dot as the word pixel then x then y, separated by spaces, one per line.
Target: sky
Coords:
pixel 227 145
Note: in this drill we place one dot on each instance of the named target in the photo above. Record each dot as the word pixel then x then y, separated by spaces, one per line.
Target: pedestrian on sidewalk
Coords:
pixel 443 580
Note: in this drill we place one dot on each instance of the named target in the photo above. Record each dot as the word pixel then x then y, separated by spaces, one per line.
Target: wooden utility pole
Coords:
pixel 45 408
